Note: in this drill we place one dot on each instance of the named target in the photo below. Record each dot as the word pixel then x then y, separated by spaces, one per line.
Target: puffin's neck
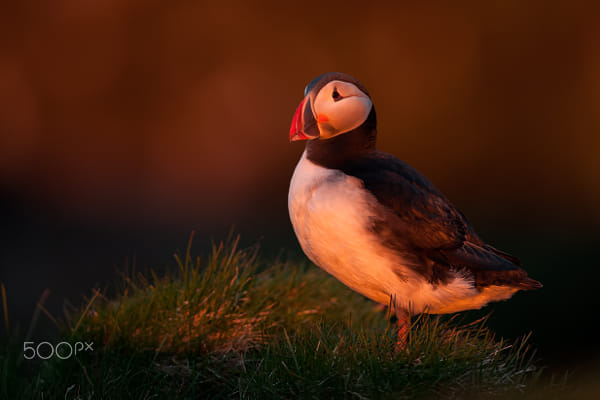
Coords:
pixel 336 151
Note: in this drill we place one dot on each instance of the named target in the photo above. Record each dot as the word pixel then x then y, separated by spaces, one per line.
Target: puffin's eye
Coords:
pixel 336 95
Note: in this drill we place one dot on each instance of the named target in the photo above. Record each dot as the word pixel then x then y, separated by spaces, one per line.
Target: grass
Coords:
pixel 229 326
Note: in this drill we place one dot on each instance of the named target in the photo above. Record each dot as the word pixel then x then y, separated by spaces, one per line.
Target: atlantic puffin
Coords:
pixel 377 224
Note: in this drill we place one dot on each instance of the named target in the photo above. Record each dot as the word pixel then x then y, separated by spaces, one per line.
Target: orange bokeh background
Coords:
pixel 178 112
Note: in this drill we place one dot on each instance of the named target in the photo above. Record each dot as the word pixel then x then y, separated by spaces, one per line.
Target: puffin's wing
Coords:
pixel 412 208
pixel 414 217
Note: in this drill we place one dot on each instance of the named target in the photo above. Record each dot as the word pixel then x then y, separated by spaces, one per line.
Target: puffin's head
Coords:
pixel 334 103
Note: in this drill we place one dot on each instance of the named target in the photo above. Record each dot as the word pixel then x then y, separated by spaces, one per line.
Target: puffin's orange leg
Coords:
pixel 403 328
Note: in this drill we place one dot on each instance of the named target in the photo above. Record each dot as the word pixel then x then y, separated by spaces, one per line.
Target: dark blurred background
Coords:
pixel 125 125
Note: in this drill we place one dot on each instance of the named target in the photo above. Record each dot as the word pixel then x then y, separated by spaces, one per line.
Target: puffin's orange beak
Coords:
pixel 303 124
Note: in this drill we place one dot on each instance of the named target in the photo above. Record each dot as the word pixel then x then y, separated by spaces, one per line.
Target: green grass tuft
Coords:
pixel 229 326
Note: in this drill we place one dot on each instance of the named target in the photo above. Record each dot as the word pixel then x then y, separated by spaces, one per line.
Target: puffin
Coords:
pixel 377 224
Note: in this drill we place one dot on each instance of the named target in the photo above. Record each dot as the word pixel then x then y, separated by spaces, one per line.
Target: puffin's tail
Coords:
pixel 488 266
pixel 526 283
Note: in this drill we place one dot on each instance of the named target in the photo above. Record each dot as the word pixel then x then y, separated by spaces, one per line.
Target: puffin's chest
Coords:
pixel 327 208
pixel 332 216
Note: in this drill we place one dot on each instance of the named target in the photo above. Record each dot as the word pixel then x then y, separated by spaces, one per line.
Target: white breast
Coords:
pixel 331 213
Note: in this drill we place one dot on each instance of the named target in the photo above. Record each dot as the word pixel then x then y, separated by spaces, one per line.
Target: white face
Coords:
pixel 340 107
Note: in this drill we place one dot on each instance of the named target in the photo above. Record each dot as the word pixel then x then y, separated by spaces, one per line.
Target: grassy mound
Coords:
pixel 230 327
